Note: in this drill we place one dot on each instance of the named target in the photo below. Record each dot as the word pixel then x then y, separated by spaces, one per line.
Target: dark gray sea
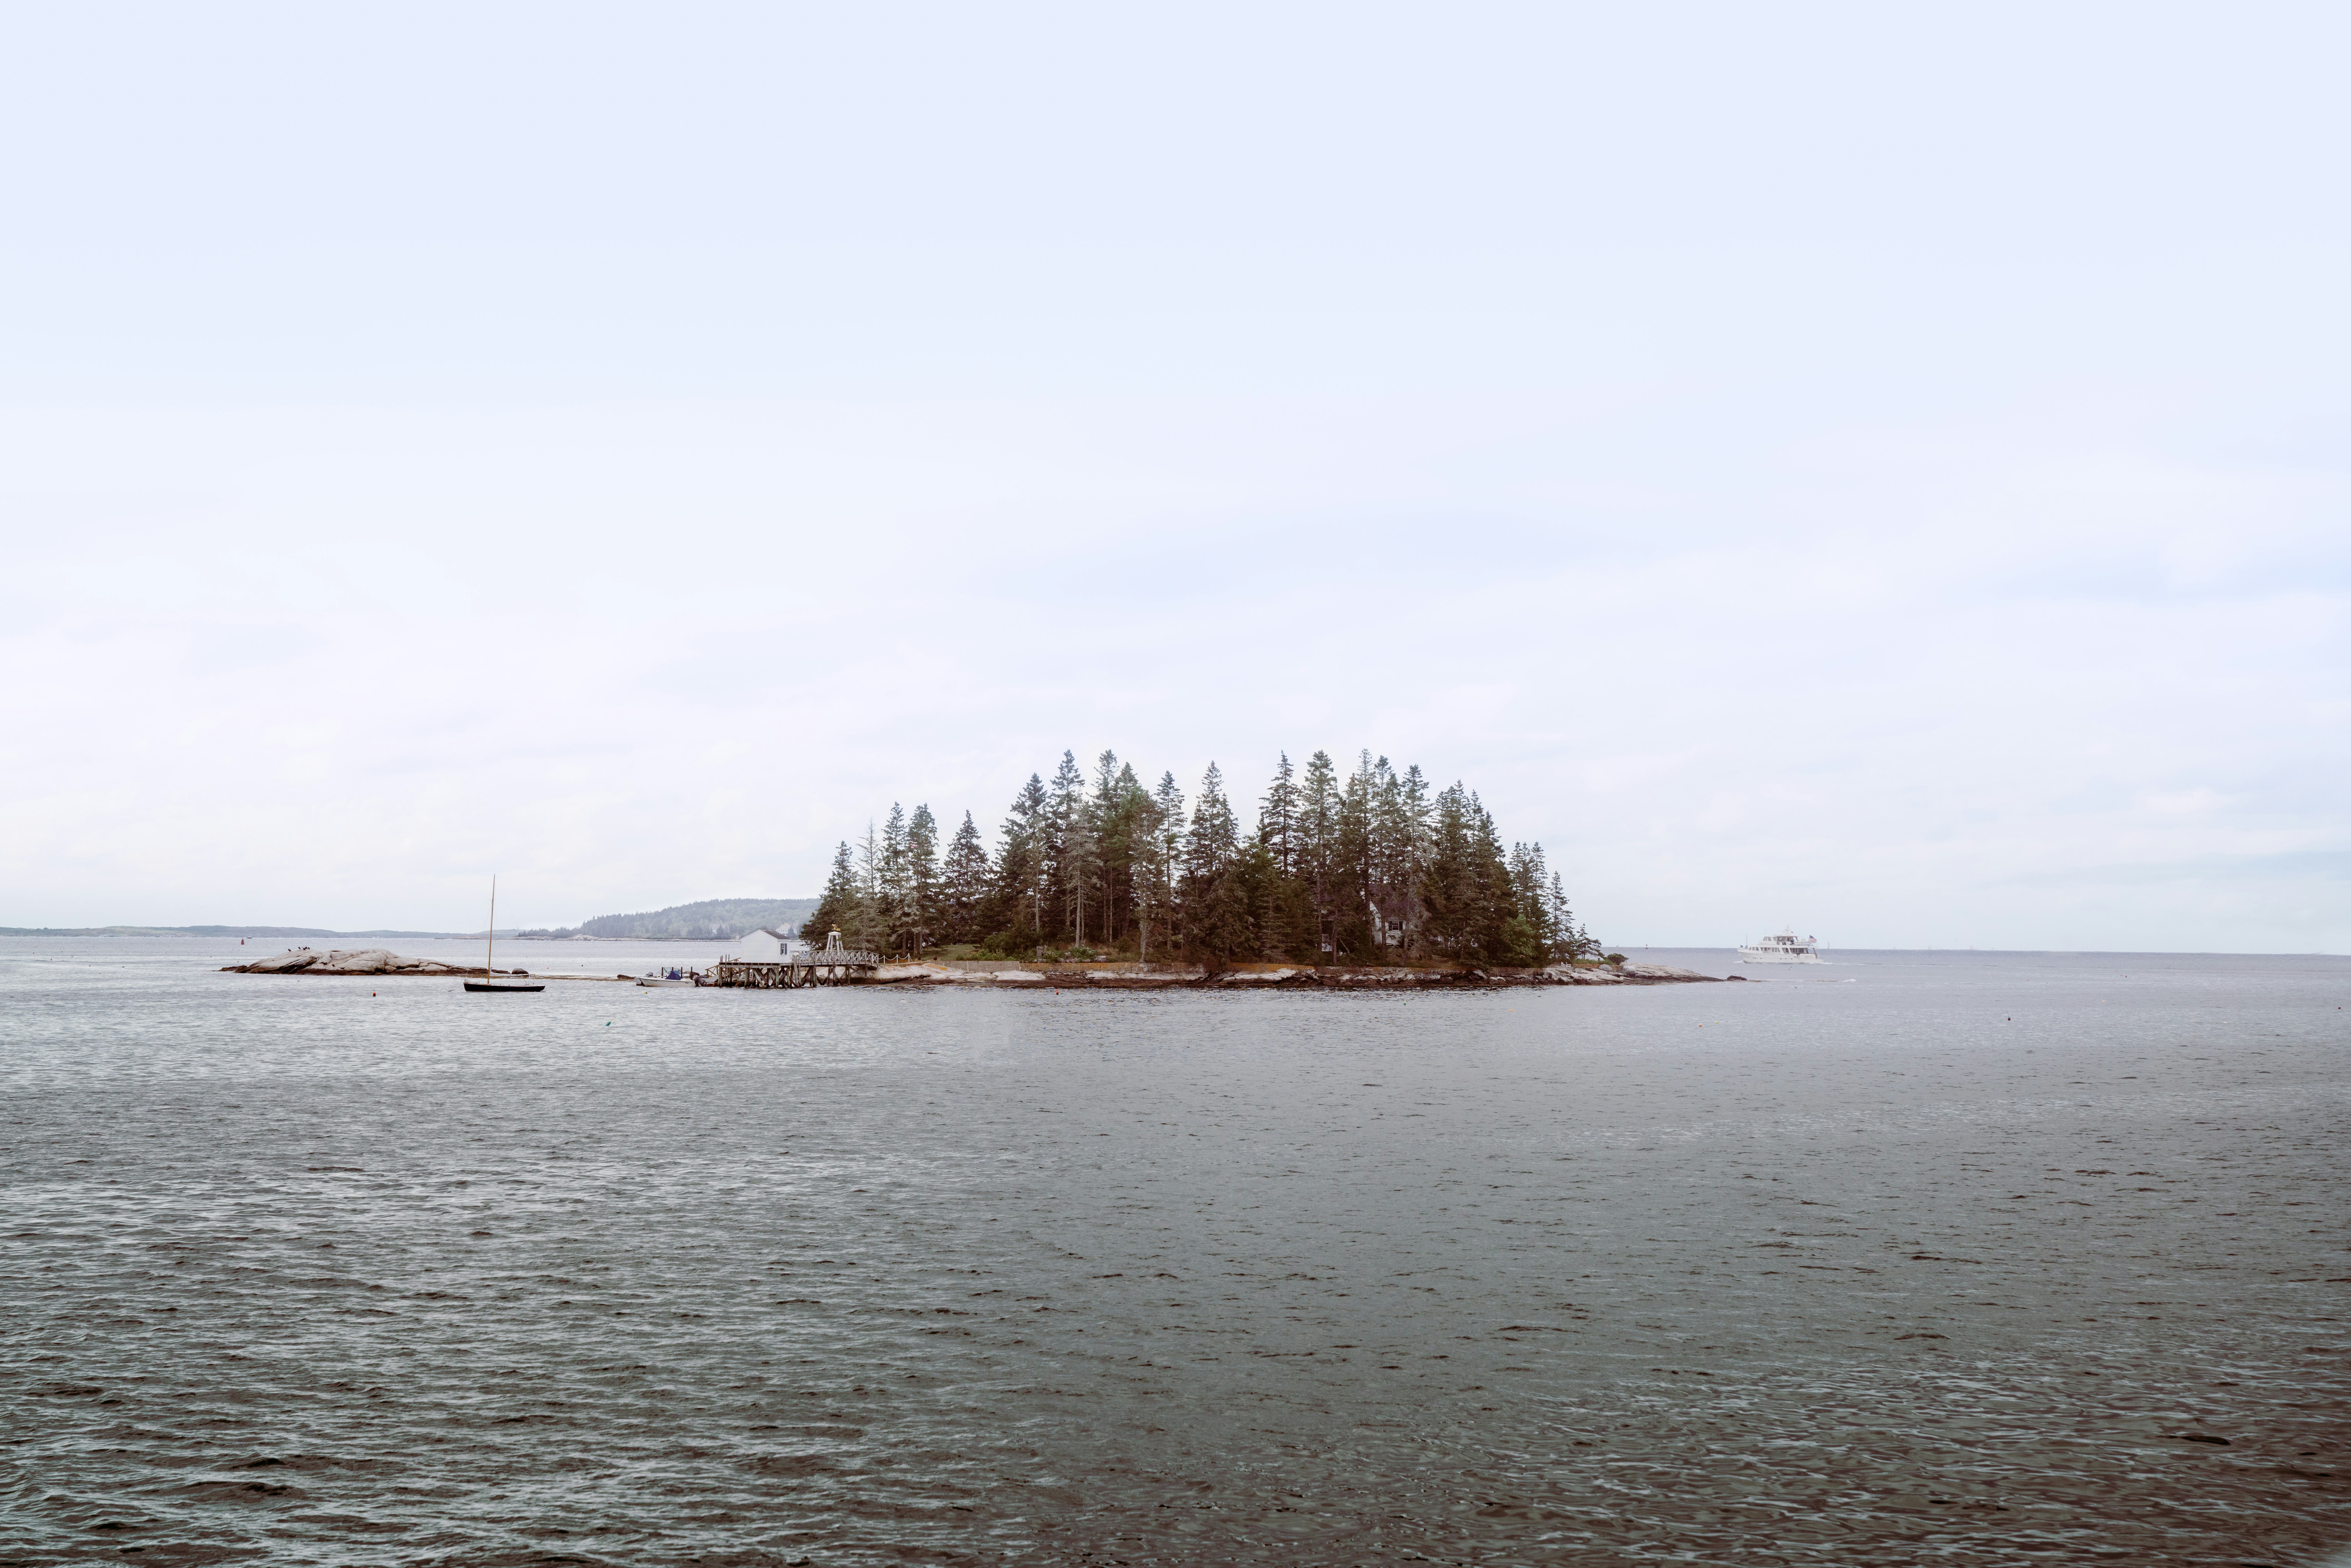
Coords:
pixel 1962 1258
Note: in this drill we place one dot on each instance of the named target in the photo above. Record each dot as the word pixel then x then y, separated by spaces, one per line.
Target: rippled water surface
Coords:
pixel 1949 1259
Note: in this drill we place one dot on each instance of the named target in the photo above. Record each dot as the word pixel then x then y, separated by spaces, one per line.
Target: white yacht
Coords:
pixel 1784 948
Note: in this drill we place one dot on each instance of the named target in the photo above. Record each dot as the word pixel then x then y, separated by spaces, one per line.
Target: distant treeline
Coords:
pixel 718 917
pixel 1374 868
pixel 207 931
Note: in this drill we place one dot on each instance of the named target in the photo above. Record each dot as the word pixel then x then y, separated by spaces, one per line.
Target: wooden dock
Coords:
pixel 831 964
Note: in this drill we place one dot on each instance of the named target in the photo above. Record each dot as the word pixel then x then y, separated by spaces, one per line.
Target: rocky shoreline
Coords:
pixel 378 962
pixel 363 961
pixel 1285 977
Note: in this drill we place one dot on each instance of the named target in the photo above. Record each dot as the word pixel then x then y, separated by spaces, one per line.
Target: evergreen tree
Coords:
pixel 1064 882
pixel 1121 808
pixel 836 910
pixel 1492 882
pixel 1526 938
pixel 1025 864
pixel 1158 849
pixel 1216 899
pixel 1467 888
pixel 1217 915
pixel 895 892
pixel 1348 880
pixel 1316 830
pixel 872 930
pixel 1398 835
pixel 1570 940
pixel 1258 874
pixel 1214 838
pixel 1276 817
pixel 964 882
pixel 922 875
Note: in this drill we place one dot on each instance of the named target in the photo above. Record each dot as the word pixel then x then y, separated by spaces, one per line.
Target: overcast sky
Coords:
pixel 1881 469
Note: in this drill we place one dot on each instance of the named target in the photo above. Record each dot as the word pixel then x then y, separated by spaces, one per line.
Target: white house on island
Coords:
pixel 766 947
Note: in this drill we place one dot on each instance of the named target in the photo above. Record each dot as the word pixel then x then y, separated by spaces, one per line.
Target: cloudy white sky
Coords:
pixel 1881 469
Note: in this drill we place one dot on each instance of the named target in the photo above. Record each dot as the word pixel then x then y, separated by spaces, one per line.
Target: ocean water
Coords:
pixel 1909 1258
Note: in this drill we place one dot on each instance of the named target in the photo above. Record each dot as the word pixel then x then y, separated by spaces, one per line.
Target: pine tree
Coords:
pixel 922 875
pixel 1491 882
pixel 1317 839
pixel 896 893
pixel 1065 811
pixel 1158 844
pixel 1121 808
pixel 1348 871
pixel 1214 838
pixel 1449 886
pixel 963 882
pixel 1525 940
pixel 1276 819
pixel 1398 835
pixel 837 909
pixel 1024 864
pixel 1571 941
pixel 872 915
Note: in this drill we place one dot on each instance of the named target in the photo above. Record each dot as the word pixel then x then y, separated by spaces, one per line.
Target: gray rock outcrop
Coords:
pixel 355 961
pixel 1663 972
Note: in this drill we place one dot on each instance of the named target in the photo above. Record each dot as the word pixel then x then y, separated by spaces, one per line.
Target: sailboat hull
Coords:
pixel 492 986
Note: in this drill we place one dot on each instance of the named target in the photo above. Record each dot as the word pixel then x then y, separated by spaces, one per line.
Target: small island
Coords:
pixel 1356 880
pixel 1375 881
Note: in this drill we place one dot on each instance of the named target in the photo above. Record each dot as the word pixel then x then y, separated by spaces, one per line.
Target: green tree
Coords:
pixel 1158 846
pixel 837 908
pixel 1316 846
pixel 1024 866
pixel 1215 836
pixel 1277 816
pixel 922 876
pixel 873 913
pixel 964 884
pixel 1065 806
pixel 1466 889
pixel 893 897
pixel 1569 939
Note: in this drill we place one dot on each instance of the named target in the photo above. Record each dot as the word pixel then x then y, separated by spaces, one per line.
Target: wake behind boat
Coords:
pixel 1783 946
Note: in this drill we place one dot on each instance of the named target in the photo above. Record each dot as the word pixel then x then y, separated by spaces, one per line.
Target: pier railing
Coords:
pixel 823 967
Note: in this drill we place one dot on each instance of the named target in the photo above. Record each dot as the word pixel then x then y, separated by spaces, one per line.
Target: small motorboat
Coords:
pixel 666 978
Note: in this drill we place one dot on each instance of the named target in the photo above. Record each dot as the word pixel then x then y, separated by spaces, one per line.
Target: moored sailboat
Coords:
pixel 489 982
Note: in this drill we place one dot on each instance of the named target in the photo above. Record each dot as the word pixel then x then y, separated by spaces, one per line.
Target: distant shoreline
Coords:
pixel 1012 975
pixel 517 935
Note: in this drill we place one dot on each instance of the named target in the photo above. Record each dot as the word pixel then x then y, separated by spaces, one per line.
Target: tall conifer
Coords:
pixel 1276 816
pixel 1214 838
pixel 837 909
pixel 964 882
pixel 922 876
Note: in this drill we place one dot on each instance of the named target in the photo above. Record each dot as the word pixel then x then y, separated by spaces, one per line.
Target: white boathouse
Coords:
pixel 769 946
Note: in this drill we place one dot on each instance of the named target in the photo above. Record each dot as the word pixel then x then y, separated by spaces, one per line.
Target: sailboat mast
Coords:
pixel 493 945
